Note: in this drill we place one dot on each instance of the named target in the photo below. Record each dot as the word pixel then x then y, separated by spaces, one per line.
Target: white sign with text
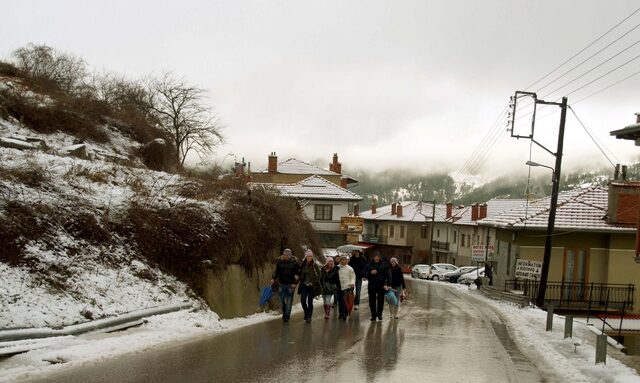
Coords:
pixel 479 252
pixel 527 269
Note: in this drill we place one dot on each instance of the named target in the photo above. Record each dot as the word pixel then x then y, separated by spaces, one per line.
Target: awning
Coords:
pixel 360 246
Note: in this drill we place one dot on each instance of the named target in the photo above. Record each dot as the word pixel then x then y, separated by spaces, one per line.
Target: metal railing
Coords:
pixel 579 296
pixel 438 245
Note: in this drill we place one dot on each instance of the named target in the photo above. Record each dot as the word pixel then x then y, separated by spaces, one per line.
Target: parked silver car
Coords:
pixel 438 270
pixel 420 271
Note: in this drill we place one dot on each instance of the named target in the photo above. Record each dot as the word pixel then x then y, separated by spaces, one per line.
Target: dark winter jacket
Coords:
pixel 359 265
pixel 310 276
pixel 330 280
pixel 381 278
pixel 286 271
pixel 397 278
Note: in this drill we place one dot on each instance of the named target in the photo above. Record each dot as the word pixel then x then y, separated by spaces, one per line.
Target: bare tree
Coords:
pixel 66 70
pixel 180 110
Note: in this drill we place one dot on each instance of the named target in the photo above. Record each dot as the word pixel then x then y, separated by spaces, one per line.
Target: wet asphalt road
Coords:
pixel 442 335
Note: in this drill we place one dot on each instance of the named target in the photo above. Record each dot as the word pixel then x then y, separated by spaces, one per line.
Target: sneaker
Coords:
pixel 355 307
pixel 397 318
pixel 380 317
pixel 373 319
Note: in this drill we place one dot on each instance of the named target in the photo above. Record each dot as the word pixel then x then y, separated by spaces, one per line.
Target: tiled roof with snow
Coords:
pixel 293 166
pixel 412 211
pixel 495 206
pixel 314 187
pixel 578 209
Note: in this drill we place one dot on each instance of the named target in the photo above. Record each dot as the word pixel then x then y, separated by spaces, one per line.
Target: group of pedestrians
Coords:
pixel 339 282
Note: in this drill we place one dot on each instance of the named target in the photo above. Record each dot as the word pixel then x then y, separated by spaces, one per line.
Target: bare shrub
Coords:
pixel 42 61
pixel 260 223
pixel 8 69
pixel 53 118
pixel 20 224
pixel 177 239
pixel 97 176
pixel 32 174
pixel 82 224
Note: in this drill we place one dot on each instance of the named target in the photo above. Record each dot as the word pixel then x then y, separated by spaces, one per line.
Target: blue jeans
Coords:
pixel 358 289
pixel 286 300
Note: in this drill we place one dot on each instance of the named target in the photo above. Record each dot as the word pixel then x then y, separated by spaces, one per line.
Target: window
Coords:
pixel 461 240
pixel 391 231
pixel 455 236
pixel 323 212
pixel 438 233
pixel 401 231
pixel 423 231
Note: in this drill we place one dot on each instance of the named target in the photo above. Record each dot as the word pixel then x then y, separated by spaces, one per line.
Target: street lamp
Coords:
pixel 531 163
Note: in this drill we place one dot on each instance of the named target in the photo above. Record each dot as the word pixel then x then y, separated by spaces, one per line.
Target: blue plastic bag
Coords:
pixel 391 298
pixel 267 293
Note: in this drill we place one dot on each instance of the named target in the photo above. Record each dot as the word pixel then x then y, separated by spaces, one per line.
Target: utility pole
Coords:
pixel 433 223
pixel 544 275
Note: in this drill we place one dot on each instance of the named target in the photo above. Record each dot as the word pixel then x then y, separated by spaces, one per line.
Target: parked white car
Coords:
pixel 438 270
pixel 469 278
pixel 420 271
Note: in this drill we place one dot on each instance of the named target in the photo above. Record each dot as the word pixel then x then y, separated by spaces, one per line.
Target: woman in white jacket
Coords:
pixel 347 284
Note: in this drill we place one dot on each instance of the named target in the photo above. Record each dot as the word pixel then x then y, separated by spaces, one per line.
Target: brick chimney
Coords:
pixel 637 118
pixel 482 213
pixel 273 163
pixel 449 209
pixel 474 212
pixel 624 203
pixel 399 209
pixel 373 207
pixel 393 208
pixel 356 210
pixel 335 166
pixel 343 182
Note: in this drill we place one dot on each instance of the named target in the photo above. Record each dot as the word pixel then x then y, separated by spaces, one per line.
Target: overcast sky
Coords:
pixel 385 84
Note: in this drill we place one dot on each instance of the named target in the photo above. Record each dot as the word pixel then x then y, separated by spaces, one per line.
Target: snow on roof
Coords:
pixel 495 206
pixel 293 166
pixel 412 211
pixel 314 187
pixel 583 209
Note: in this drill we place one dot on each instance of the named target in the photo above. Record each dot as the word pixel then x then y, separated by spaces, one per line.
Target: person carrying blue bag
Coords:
pixel 397 287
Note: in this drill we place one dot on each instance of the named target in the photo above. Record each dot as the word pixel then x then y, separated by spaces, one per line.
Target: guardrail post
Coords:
pixel 550 317
pixel 601 349
pixel 568 326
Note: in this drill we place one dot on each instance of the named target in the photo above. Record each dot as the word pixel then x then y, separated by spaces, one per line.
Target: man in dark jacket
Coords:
pixel 379 278
pixel 287 274
pixel 359 264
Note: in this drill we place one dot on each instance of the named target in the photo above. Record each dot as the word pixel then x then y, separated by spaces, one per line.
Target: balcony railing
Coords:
pixel 438 245
pixel 579 296
pixel 371 238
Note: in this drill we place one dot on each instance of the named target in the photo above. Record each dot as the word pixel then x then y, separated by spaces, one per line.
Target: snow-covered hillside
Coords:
pixel 69 274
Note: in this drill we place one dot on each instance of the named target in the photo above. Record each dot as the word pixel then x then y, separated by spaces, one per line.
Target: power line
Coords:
pixel 606 74
pixel 592 138
pixel 585 48
pixel 487 136
pixel 487 146
pixel 594 68
pixel 607 87
pixel 590 57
